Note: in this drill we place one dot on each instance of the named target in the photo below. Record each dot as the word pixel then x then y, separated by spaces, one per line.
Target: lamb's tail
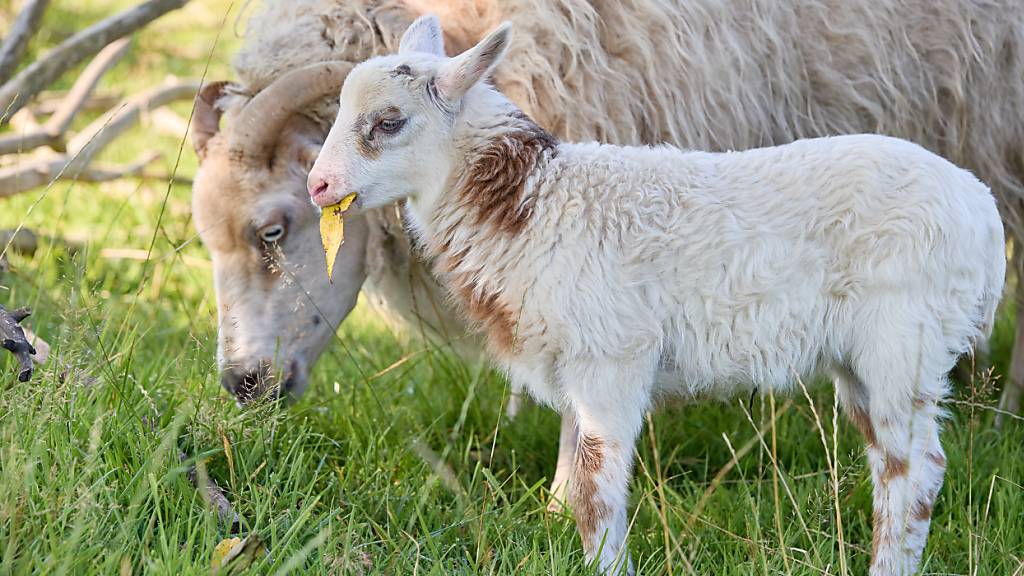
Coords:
pixel 995 279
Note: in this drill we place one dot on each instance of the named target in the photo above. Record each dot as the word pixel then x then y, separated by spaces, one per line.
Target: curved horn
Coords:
pixel 256 128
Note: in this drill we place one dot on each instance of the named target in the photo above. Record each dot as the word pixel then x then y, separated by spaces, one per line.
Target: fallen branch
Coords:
pixel 54 131
pixel 214 497
pixel 21 32
pixel 41 73
pixel 47 102
pixel 12 338
pixel 105 129
pixel 42 172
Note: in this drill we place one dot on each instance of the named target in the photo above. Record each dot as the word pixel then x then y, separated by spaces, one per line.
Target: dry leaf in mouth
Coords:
pixel 332 230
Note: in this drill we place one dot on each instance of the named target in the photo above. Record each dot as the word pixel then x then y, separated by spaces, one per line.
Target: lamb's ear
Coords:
pixel 423 35
pixel 459 74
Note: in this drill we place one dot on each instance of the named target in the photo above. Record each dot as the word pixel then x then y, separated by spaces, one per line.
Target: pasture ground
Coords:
pixel 411 470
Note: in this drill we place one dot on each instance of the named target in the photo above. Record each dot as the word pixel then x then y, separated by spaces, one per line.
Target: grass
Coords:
pixel 413 471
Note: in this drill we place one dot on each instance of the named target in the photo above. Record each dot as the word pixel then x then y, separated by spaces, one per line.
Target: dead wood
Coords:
pixel 24 27
pixel 214 497
pixel 54 131
pixel 20 89
pixel 13 339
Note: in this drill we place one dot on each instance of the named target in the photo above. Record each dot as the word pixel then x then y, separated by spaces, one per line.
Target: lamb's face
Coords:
pixel 397 114
pixel 389 138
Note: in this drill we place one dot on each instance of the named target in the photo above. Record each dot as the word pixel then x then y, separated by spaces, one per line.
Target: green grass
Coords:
pixel 345 481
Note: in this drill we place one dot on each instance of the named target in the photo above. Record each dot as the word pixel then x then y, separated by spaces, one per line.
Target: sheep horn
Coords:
pixel 258 126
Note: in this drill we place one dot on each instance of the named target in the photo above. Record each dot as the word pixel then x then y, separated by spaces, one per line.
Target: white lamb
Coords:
pixel 603 276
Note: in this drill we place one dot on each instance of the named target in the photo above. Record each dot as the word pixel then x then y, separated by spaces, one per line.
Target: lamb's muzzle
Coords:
pixel 632 271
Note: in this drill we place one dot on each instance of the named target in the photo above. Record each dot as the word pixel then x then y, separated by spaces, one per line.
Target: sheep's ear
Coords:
pixel 459 74
pixel 423 35
pixel 206 117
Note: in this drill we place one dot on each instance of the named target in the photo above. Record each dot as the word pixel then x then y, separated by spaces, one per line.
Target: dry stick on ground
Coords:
pixel 18 36
pixel 83 147
pixel 12 338
pixel 54 131
pixel 213 496
pixel 23 86
pixel 48 101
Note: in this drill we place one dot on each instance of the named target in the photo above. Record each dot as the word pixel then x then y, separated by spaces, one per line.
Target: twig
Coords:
pixel 53 132
pixel 12 338
pixel 18 36
pixel 41 73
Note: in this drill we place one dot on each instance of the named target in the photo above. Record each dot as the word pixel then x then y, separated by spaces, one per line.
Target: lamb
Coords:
pixel 603 276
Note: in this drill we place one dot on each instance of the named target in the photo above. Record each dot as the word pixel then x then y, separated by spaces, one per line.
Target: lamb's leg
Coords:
pixel 567 439
pixel 900 425
pixel 610 398
pixel 907 475
pixel 515 401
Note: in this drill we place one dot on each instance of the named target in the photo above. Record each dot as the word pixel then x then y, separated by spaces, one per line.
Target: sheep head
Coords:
pixel 276 310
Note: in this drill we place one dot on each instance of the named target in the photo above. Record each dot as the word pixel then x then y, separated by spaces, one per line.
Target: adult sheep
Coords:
pixel 696 73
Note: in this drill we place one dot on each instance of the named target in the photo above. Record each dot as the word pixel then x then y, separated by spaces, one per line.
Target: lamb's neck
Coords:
pixel 498 155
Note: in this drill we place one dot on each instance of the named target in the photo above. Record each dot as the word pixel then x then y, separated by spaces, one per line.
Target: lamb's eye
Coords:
pixel 272 233
pixel 389 125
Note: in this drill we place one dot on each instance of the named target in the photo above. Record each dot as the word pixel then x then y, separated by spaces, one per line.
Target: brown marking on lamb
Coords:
pixel 860 418
pixel 494 184
pixel 879 531
pixel 486 308
pixel 368 142
pixel 922 510
pixel 588 508
pixel 937 458
pixel 894 468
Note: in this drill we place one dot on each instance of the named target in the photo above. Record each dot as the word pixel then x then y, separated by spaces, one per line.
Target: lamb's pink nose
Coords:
pixel 320 190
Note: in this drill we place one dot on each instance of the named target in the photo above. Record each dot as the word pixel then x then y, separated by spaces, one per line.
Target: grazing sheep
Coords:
pixel 603 276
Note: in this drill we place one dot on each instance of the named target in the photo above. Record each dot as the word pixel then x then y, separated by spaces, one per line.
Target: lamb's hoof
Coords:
pixel 556 503
pixel 515 402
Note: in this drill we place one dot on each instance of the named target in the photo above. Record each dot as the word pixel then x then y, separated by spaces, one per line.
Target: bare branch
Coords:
pixel 52 133
pixel 41 73
pixel 108 127
pixel 12 338
pixel 42 172
pixel 17 38
pixel 48 101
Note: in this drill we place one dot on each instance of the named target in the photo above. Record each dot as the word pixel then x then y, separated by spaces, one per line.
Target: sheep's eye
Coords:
pixel 389 125
pixel 271 233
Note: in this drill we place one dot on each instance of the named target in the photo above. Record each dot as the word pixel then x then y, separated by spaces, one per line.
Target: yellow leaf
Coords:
pixel 235 555
pixel 332 230
pixel 221 551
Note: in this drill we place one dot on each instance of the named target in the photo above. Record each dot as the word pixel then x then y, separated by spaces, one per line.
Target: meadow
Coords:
pixel 399 459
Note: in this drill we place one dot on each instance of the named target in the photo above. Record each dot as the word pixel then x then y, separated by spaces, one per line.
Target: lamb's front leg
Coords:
pixel 610 398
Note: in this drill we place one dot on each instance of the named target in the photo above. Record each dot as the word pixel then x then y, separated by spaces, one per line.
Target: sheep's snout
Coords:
pixel 259 382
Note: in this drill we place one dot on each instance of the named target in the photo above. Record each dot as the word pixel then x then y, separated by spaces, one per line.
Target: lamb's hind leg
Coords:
pixel 567 441
pixel 610 398
pixel 900 423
